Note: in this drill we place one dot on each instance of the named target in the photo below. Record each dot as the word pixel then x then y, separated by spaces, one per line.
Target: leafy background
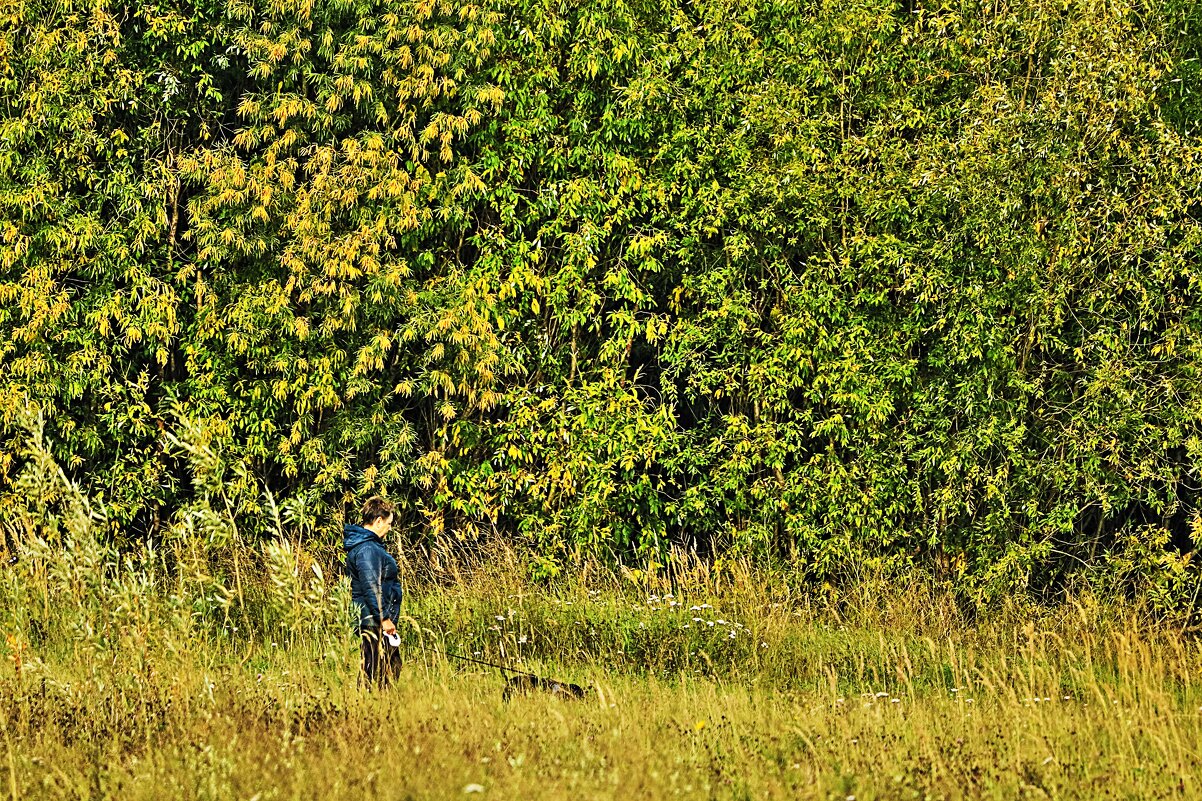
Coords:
pixel 851 284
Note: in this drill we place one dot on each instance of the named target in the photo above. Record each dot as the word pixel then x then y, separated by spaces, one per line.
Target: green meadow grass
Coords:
pixel 121 681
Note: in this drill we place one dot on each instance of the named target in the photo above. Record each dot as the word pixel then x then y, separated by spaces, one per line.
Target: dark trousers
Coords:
pixel 381 661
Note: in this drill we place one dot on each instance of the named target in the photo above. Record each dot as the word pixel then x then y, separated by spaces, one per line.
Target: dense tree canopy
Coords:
pixel 832 280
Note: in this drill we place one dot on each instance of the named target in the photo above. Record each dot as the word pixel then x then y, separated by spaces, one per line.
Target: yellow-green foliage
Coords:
pixel 884 281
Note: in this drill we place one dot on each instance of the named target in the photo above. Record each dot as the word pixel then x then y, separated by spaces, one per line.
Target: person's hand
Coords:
pixel 388 626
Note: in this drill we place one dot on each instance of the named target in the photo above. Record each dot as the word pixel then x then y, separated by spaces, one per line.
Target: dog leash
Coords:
pixel 479 661
pixel 554 685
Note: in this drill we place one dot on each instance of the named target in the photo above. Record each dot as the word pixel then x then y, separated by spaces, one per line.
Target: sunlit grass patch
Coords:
pixel 879 696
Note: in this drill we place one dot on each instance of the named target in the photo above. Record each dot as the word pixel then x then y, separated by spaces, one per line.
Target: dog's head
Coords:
pixel 566 690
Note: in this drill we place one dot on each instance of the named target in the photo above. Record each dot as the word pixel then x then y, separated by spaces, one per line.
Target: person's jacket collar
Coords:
pixel 354 534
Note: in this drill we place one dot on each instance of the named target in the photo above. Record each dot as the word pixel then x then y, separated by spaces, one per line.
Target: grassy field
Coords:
pixel 118 683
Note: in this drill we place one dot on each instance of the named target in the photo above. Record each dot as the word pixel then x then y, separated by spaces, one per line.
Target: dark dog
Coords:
pixel 526 684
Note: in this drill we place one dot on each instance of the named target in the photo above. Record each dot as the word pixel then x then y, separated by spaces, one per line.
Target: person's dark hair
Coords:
pixel 376 508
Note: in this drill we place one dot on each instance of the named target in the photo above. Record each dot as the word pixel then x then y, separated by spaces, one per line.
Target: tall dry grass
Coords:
pixel 209 668
pixel 123 679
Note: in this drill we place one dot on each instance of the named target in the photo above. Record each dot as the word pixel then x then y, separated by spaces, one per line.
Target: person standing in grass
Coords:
pixel 375 589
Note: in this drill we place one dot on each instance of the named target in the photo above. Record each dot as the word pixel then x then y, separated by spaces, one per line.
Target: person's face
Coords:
pixel 382 525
